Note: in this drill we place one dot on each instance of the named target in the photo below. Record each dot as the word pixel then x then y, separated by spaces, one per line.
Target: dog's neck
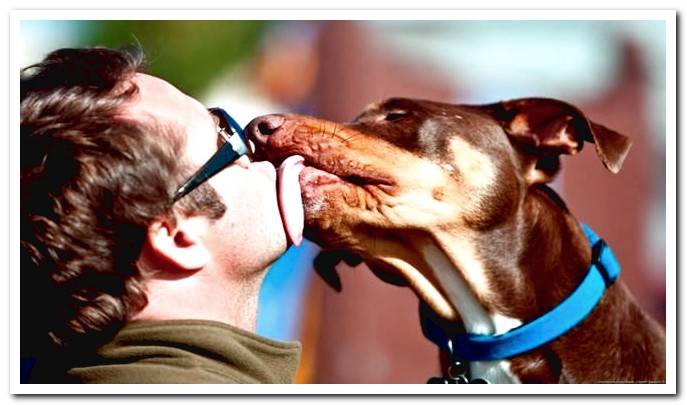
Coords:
pixel 499 278
pixel 518 270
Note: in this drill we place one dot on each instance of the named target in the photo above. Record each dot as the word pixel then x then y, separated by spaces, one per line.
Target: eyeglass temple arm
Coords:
pixel 235 125
pixel 226 155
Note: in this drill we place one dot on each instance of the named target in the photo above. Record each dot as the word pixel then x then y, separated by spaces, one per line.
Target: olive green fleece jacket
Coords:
pixel 189 351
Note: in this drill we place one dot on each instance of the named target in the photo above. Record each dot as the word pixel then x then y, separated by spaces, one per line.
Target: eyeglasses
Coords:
pixel 234 145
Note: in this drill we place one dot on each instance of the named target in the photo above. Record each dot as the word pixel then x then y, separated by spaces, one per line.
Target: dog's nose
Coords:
pixel 260 129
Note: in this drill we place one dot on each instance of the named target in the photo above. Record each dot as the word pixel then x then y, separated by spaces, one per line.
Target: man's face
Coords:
pixel 250 234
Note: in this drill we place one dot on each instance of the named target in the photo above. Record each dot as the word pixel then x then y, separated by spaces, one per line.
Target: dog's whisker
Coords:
pixel 350 137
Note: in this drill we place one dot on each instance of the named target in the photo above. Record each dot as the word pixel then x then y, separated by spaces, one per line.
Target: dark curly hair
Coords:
pixel 91 182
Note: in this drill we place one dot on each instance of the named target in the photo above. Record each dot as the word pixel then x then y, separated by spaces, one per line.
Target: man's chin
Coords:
pixel 272 248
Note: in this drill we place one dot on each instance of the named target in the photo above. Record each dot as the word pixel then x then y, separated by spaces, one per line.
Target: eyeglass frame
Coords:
pixel 235 145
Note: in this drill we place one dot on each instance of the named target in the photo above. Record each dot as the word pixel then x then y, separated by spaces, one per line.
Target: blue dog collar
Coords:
pixel 603 271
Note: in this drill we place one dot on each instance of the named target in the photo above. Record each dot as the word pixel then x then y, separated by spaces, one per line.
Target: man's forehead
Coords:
pixel 152 84
pixel 156 93
pixel 157 100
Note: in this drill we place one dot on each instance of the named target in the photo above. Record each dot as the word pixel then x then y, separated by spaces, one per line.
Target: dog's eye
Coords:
pixel 394 116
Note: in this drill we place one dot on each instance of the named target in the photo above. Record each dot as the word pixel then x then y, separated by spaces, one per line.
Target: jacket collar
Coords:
pixel 192 351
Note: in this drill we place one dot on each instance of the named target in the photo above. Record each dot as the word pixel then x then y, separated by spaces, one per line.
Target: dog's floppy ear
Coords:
pixel 547 128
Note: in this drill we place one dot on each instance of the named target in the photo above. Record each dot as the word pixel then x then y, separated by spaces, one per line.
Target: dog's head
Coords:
pixel 405 170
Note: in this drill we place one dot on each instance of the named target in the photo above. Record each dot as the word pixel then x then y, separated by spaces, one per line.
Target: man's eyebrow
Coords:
pixel 221 140
pixel 213 117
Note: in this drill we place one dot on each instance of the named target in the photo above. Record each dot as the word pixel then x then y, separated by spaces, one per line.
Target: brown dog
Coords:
pixel 453 199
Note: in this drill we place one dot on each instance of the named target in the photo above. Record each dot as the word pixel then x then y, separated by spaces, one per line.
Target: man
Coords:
pixel 127 276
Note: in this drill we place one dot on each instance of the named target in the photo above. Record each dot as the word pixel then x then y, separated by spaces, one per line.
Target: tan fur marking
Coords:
pixel 568 140
pixel 423 287
pixel 519 124
pixel 475 167
pixel 466 261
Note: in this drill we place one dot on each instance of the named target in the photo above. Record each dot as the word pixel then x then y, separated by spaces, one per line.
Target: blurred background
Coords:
pixel 369 332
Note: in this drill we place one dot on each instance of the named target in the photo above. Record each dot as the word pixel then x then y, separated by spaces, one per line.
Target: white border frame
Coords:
pixel 668 16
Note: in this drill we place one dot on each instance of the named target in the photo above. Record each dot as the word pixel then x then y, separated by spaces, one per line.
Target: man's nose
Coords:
pixel 260 129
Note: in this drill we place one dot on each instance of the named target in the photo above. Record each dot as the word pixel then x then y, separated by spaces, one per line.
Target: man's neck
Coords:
pixel 206 297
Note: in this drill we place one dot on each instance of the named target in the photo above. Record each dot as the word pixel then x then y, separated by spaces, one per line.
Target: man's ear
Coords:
pixel 543 129
pixel 178 244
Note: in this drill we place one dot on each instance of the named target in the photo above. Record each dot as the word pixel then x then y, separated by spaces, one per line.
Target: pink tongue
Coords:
pixel 290 201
